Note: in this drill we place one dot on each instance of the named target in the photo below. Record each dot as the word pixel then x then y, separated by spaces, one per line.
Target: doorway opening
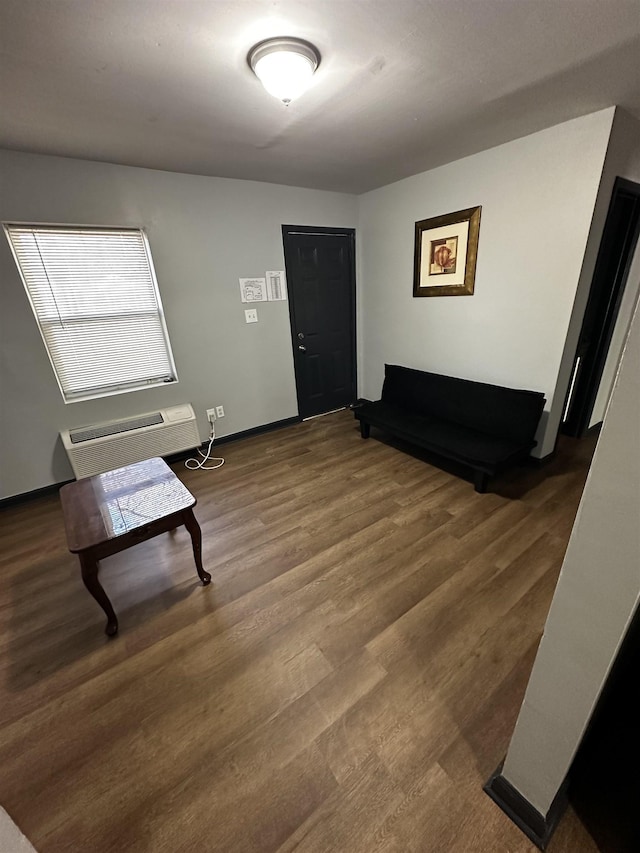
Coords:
pixel 617 246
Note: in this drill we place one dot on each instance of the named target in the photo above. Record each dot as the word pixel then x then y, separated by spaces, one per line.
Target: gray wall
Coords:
pixel 204 234
pixel 599 586
pixel 537 193
pixel 596 597
pixel 537 196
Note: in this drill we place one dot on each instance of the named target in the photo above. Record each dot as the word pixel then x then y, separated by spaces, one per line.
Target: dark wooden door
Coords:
pixel 321 280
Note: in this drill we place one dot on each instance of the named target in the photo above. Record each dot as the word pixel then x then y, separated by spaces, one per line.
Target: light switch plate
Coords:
pixel 251 315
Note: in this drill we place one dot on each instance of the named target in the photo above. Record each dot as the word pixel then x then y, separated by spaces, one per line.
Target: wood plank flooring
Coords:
pixel 347 683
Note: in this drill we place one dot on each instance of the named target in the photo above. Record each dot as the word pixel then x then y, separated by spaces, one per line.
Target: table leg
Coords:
pixel 89 568
pixel 196 540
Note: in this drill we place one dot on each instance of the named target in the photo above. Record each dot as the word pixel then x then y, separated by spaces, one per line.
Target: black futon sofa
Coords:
pixel 486 427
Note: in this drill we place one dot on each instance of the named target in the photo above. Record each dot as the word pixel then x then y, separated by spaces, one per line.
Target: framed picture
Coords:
pixel 445 254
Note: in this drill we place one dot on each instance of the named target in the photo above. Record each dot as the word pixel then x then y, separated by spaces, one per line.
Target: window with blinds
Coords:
pixel 95 297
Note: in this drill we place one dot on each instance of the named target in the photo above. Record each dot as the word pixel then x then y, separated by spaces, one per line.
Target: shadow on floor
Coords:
pixel 514 483
pixel 140 583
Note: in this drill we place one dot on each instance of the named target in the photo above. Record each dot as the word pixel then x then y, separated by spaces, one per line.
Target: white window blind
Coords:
pixel 96 300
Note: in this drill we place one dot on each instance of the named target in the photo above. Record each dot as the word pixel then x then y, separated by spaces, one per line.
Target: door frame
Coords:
pixel 586 377
pixel 292 230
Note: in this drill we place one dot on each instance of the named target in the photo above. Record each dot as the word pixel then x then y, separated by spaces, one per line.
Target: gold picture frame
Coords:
pixel 446 248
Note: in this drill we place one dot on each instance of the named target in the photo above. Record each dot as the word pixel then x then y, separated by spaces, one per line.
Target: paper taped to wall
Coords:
pixel 253 290
pixel 276 286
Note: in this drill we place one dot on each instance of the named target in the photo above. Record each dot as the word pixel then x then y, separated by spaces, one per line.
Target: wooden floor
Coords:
pixel 347 683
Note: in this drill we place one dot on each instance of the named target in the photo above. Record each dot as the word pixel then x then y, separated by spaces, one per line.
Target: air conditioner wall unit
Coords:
pixel 103 447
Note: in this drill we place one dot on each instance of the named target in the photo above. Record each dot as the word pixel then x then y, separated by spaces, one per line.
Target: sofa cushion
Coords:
pixel 502 412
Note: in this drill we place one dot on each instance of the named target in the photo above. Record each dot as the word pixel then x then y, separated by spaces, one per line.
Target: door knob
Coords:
pixel 301 348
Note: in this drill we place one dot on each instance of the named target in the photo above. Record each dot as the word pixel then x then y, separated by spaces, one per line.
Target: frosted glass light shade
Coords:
pixel 284 66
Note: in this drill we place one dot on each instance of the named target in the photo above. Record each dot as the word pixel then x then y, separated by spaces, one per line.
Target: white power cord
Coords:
pixel 199 464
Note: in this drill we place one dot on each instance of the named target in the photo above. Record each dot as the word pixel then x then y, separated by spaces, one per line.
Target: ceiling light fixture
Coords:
pixel 284 66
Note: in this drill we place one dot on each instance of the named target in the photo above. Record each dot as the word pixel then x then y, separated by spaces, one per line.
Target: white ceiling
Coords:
pixel 403 85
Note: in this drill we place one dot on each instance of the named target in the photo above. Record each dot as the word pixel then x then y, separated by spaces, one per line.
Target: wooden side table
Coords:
pixel 110 512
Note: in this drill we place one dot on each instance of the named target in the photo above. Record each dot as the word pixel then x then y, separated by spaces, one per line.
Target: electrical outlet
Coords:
pixel 211 415
pixel 251 315
pixel 219 411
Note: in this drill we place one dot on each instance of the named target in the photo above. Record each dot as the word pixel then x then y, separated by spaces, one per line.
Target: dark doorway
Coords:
pixel 320 265
pixel 604 786
pixel 617 246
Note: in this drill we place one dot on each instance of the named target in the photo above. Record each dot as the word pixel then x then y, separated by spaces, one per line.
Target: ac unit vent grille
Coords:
pixel 104 447
pixel 90 459
pixel 78 436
